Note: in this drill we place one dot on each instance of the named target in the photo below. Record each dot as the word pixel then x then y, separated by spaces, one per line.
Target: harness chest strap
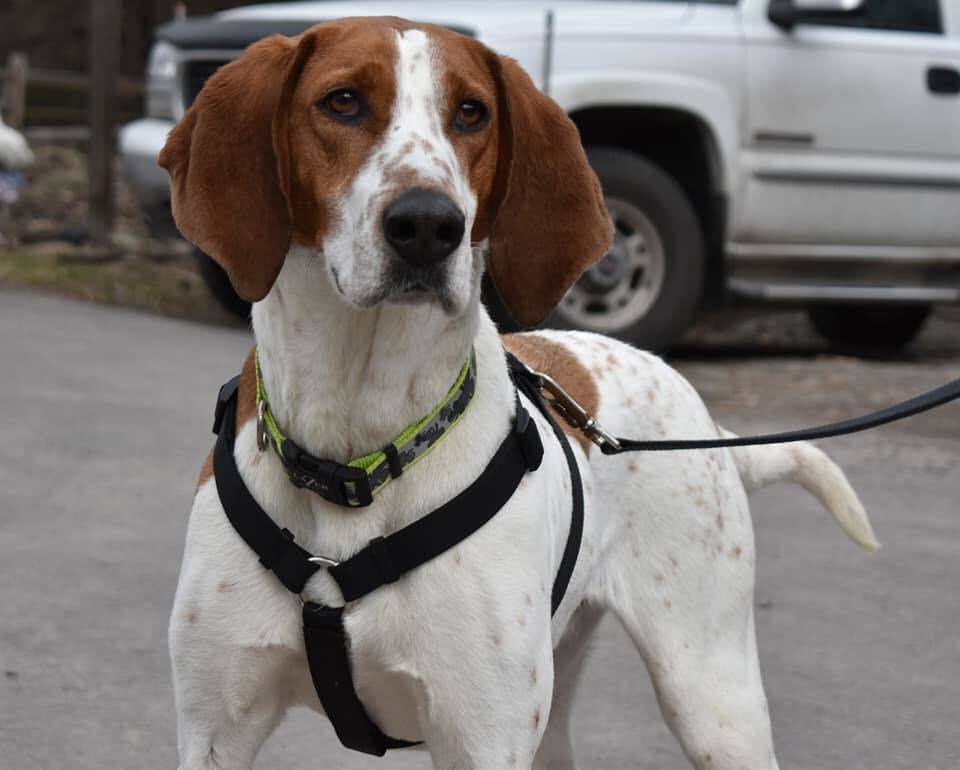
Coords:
pixel 385 559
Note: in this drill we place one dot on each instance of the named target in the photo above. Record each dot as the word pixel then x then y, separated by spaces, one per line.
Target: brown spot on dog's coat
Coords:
pixel 552 358
pixel 632 467
pixel 536 719
pixel 533 676
pixel 736 552
pixel 191 616
pixel 206 471
pixel 225 586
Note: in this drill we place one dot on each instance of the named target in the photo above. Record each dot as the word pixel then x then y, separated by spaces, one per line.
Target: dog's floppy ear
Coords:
pixel 551 223
pixel 226 192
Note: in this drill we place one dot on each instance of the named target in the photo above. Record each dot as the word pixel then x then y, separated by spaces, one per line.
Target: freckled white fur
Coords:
pixel 462 652
pixel 414 144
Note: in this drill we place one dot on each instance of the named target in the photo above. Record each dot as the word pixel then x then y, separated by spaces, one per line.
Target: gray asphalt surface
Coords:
pixel 104 418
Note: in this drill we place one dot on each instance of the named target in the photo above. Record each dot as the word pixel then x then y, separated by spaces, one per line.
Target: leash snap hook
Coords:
pixel 600 437
pixel 574 413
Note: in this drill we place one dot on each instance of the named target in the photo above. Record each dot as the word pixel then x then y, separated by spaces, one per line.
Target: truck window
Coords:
pixel 921 16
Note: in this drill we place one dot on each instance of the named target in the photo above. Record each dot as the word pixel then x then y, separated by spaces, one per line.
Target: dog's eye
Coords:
pixel 470 116
pixel 343 103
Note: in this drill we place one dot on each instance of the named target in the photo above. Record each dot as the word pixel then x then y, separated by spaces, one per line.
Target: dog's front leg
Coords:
pixel 489 712
pixel 229 697
pixel 214 736
pixel 235 647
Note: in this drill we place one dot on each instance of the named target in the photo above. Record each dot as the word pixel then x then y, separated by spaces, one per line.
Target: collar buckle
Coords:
pixel 340 484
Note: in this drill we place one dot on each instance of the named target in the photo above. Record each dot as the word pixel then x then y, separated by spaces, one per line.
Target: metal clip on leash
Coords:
pixel 574 413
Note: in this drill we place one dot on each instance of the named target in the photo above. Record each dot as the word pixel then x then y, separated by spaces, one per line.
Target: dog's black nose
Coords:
pixel 423 226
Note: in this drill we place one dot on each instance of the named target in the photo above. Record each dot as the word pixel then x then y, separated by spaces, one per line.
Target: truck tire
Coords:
pixel 869 328
pixel 219 284
pixel 647 288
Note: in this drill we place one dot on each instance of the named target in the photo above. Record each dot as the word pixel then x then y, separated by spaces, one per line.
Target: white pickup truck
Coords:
pixel 783 151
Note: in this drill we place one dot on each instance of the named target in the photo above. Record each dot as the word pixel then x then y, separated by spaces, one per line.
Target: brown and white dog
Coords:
pixel 353 181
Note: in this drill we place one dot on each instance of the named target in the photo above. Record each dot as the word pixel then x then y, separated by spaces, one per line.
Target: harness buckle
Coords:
pixel 573 412
pixel 529 438
pixel 227 392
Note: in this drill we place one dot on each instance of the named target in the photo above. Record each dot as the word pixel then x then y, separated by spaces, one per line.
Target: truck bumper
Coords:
pixel 140 143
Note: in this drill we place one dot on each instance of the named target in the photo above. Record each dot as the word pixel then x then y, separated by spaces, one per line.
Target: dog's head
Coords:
pixel 391 149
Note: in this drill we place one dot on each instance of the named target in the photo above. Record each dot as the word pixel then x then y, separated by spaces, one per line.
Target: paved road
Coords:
pixel 104 417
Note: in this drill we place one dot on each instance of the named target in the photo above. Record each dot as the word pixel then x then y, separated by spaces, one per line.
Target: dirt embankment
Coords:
pixel 44 244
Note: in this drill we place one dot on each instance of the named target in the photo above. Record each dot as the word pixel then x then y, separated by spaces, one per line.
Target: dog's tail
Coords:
pixel 809 467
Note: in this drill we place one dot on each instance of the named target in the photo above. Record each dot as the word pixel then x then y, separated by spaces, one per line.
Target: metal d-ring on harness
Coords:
pixel 386 558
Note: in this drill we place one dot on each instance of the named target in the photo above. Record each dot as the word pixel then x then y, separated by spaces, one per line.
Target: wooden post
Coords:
pixel 15 90
pixel 104 60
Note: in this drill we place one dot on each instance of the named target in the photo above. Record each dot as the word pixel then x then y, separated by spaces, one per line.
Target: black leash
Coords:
pixel 914 406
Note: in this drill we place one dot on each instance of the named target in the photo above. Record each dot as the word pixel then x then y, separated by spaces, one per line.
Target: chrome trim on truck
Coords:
pixel 780 292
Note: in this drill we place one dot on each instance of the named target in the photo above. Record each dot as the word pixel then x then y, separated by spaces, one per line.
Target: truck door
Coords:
pixel 852 135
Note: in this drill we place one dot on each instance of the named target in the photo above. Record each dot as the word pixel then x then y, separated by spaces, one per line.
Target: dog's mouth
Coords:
pixel 418 287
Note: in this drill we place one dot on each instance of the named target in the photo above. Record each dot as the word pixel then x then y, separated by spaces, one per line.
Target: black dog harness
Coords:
pixel 388 558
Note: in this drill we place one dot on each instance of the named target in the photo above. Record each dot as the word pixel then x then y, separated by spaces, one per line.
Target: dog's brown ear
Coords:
pixel 225 186
pixel 551 223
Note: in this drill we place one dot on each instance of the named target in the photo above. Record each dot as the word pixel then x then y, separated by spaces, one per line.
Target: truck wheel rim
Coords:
pixel 621 288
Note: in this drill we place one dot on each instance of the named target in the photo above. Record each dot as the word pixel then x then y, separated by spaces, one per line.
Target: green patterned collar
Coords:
pixel 354 484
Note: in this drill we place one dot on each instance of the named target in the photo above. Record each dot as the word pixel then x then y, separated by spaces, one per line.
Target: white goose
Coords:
pixel 15 153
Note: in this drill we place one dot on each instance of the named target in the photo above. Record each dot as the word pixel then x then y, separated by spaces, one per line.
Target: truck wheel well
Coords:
pixel 683 146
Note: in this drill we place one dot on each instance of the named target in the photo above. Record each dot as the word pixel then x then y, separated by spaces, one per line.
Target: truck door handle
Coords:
pixel 943 80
